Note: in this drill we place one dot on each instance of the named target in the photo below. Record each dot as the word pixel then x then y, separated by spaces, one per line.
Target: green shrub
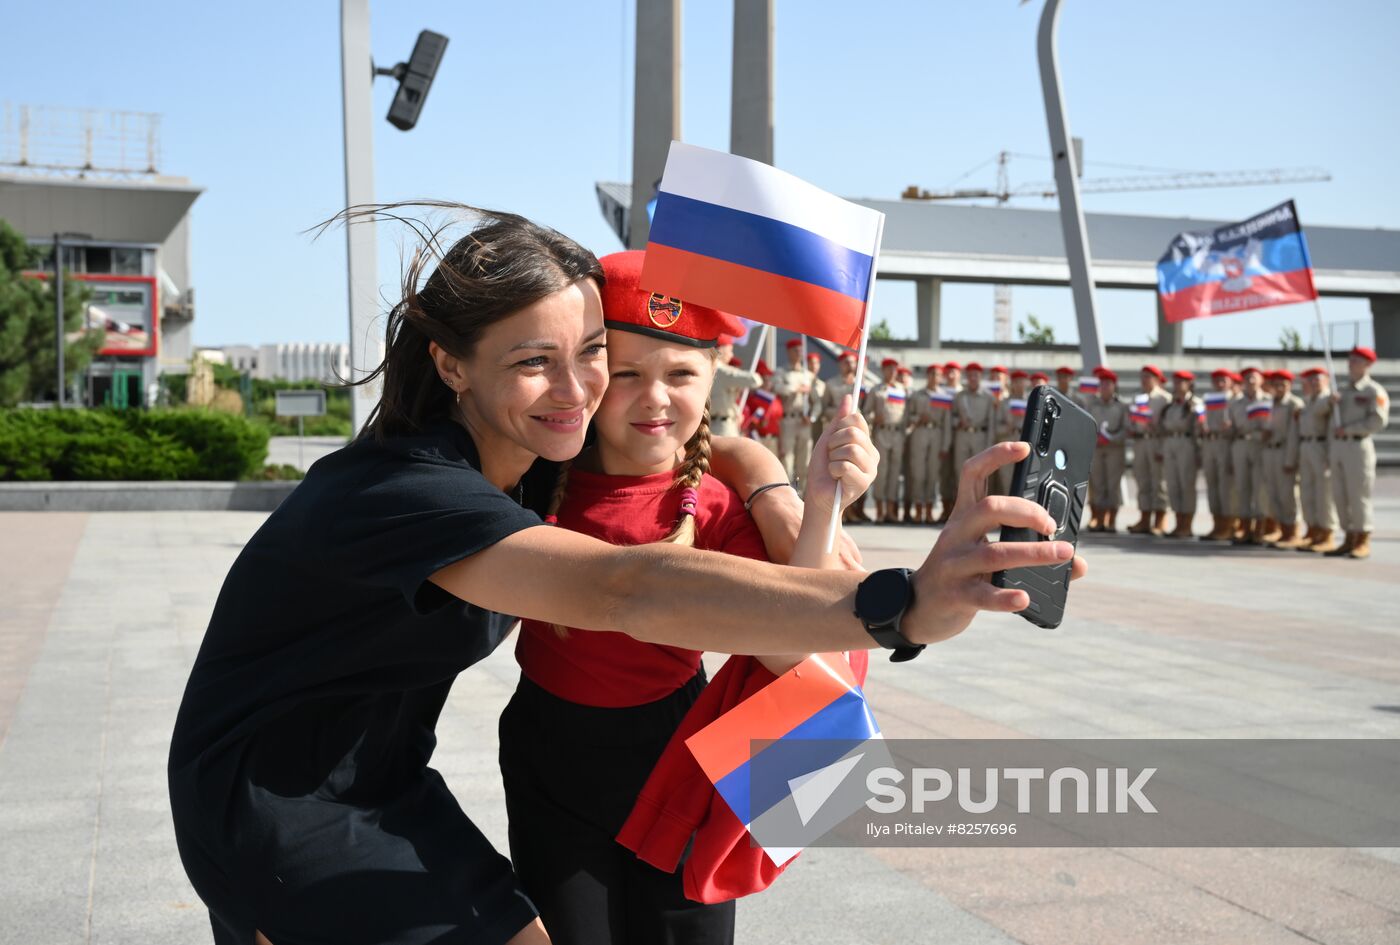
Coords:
pixel 128 444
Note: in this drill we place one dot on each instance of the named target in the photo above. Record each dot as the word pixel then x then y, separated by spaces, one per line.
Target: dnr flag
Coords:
pixel 1256 263
pixel 744 237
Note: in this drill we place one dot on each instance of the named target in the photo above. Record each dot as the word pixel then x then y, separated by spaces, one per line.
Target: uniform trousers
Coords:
pixel 922 448
pixel 771 444
pixel 968 444
pixel 1106 477
pixel 1318 510
pixel 948 472
pixel 1246 459
pixel 795 447
pixel 1180 462
pixel 889 443
pixel 1353 479
pixel 1149 474
pixel 1283 486
pixel 1215 465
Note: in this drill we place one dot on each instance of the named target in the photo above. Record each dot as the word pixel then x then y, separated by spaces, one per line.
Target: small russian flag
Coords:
pixel 744 237
pixel 1017 407
pixel 993 388
pixel 782 747
pixel 767 396
pixel 894 395
pixel 940 400
pixel 1088 385
pixel 1258 409
pixel 1217 400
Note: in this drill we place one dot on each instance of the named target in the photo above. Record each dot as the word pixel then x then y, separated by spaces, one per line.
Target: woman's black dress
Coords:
pixel 299 781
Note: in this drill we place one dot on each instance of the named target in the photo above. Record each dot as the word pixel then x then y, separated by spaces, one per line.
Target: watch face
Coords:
pixel 883 596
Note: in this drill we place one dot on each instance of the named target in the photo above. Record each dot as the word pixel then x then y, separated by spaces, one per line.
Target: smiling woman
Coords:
pixel 303 803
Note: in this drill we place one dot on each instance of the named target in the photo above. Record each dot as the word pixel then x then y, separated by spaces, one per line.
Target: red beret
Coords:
pixel 1250 370
pixel 904 370
pixel 1018 373
pixel 952 366
pixel 848 356
pixel 973 366
pixel 1065 370
pixel 735 362
pixel 1365 354
pixel 793 343
pixel 1154 370
pixel 1237 378
pixel 1106 374
pixel 814 356
pixel 1041 375
pixel 763 370
pixel 1183 375
pixel 725 340
pixel 629 307
pixel 996 367
pixel 889 362
pixel 932 369
pixel 1222 372
pixel 1101 370
pixel 1283 375
pixel 1314 372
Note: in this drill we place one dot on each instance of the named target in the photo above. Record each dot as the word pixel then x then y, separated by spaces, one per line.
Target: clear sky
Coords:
pixel 532 105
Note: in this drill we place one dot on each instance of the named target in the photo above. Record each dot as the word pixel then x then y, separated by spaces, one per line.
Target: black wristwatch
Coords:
pixel 881 600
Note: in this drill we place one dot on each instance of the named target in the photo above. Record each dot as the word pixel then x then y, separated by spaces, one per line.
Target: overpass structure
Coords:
pixel 935 243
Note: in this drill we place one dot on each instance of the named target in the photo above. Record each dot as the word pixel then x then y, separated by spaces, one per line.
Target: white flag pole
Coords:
pixel 834 527
pixel 753 363
pixel 1327 355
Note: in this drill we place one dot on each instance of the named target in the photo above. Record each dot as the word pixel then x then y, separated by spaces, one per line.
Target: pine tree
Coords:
pixel 27 325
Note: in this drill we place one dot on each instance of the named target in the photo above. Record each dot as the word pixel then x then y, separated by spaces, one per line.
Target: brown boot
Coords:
pixel 1256 531
pixel 1240 533
pixel 1227 528
pixel 1287 536
pixel 1095 516
pixel 1344 549
pixel 1143 525
pixel 1110 521
pixel 1270 532
pixel 1323 544
pixel 1183 526
pixel 1362 548
pixel 1217 526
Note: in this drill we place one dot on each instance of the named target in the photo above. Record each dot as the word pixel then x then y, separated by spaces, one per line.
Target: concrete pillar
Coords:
pixel 751 94
pixel 1168 333
pixel 656 105
pixel 1385 322
pixel 928 310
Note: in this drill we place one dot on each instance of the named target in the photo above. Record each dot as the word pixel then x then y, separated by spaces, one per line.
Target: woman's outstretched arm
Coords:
pixel 710 601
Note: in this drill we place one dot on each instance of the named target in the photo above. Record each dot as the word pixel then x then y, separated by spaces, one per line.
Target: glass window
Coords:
pixel 99 259
pixel 126 261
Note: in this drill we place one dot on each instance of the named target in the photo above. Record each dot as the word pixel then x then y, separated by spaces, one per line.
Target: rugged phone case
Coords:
pixel 1062 487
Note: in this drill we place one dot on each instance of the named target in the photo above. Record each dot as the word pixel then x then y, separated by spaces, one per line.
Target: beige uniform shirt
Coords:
pixel 1240 422
pixel 729 383
pixel 794 388
pixel 1364 408
pixel 1218 421
pixel 1315 419
pixel 833 391
pixel 974 412
pixel 1111 417
pixel 926 415
pixel 1282 427
pixel 1181 417
pixel 885 405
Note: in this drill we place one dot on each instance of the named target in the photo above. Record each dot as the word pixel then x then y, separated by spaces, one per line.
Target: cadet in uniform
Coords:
pixel 763 412
pixel 1314 425
pixel 884 410
pixel 731 380
pixel 1064 383
pixel 1181 425
pixel 1147 453
pixel 1281 461
pixel 1006 425
pixel 1246 456
pixel 818 397
pixel 905 377
pixel 1364 410
pixel 930 410
pixel 1215 456
pixel 949 469
pixel 1106 472
pixel 974 410
pixel 793 385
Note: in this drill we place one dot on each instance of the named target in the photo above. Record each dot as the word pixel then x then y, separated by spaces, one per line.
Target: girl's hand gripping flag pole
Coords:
pixel 744 237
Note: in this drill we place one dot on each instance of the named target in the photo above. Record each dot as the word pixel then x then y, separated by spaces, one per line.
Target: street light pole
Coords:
pixel 1067 185
pixel 357 77
pixel 58 315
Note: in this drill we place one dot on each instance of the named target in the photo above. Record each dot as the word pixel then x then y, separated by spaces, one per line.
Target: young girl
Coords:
pixel 594 711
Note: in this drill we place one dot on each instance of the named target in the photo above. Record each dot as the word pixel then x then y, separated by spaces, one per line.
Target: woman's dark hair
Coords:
pixel 504 264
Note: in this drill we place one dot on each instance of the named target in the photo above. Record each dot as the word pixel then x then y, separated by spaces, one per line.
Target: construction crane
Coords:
pixel 1171 180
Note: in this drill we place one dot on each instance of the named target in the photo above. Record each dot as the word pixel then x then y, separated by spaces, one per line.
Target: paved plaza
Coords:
pixel 101 615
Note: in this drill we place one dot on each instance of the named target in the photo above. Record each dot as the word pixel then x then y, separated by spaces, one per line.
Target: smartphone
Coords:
pixel 1055 475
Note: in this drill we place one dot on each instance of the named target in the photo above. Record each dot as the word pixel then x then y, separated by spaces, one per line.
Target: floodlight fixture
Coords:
pixel 415 78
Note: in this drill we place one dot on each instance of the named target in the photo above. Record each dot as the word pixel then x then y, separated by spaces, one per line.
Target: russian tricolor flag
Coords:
pixel 941 400
pixel 1255 263
pixel 895 395
pixel 1088 385
pixel 1017 407
pixel 1258 409
pixel 741 236
pixel 1217 400
pixel 781 754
